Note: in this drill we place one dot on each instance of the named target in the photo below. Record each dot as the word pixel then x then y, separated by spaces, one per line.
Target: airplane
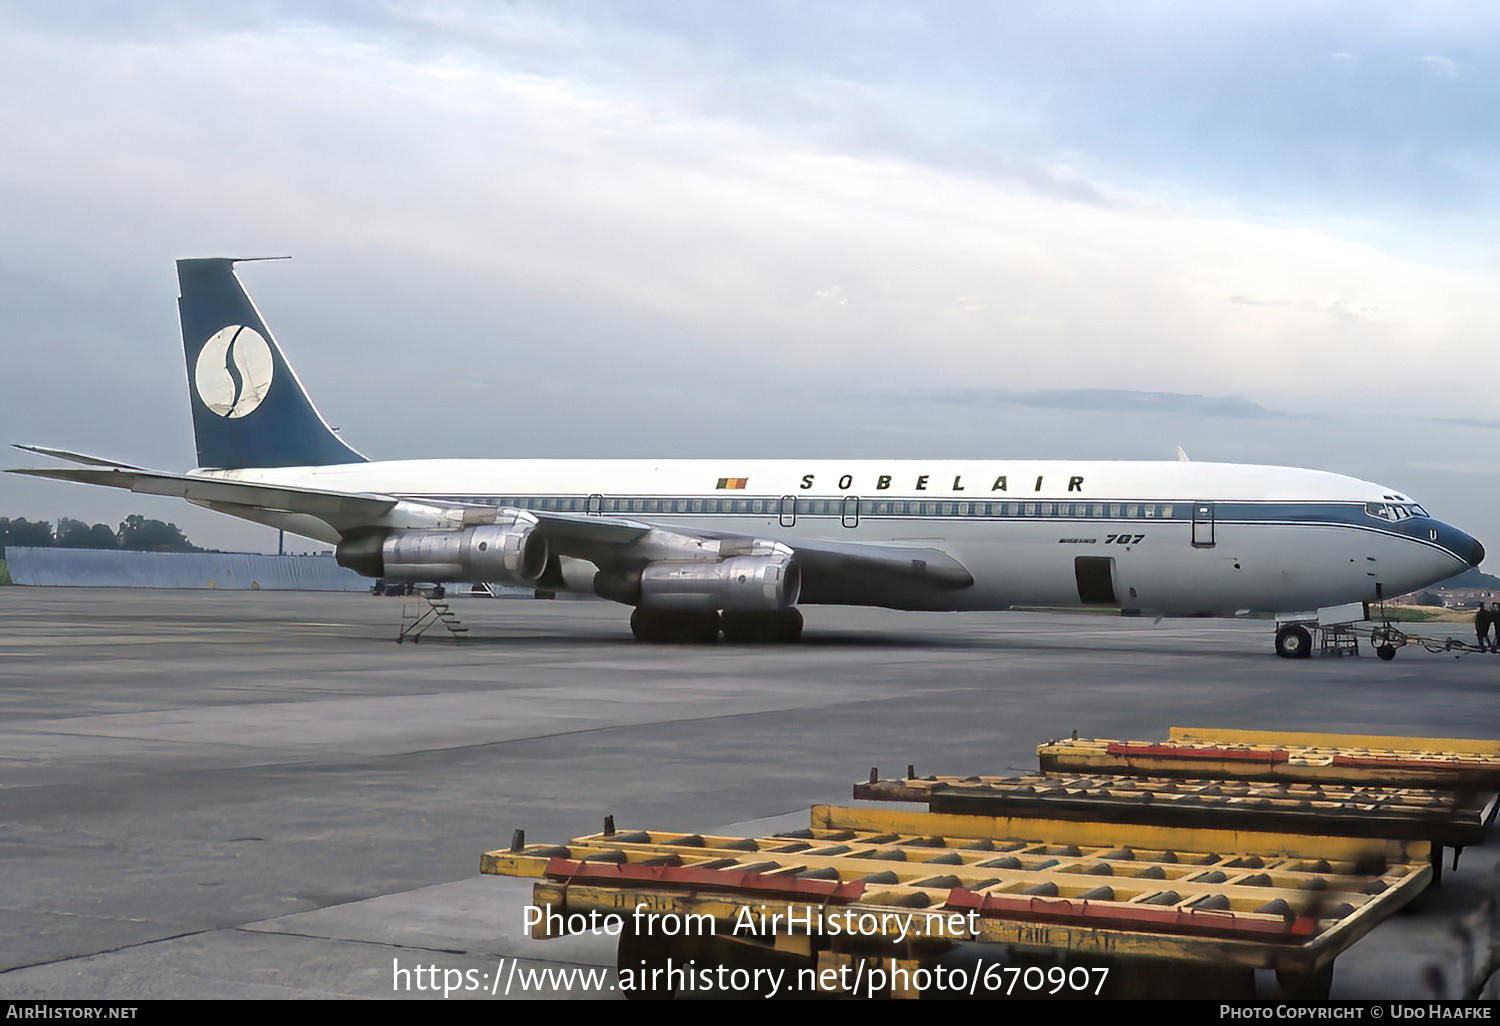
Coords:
pixel 738 547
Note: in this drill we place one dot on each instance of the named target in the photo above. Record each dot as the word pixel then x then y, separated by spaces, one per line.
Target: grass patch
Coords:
pixel 1406 614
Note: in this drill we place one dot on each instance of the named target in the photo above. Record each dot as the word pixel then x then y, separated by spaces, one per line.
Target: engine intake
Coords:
pixel 506 553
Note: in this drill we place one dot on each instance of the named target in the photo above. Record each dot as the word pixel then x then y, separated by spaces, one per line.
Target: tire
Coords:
pixel 1386 652
pixel 788 626
pixel 665 627
pixel 1293 642
pixel 762 626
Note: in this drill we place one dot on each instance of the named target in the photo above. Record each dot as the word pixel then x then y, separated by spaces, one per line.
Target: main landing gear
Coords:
pixel 674 626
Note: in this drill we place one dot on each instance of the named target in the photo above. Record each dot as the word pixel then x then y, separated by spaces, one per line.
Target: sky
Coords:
pixel 1265 232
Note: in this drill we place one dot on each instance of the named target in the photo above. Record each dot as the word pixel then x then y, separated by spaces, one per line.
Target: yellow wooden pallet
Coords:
pixel 1286 902
pixel 1442 817
pixel 1194 752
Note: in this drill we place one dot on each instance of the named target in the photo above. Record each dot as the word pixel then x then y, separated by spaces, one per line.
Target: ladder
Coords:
pixel 420 612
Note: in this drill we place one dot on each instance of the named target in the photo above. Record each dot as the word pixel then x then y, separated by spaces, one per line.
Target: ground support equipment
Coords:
pixel 1155 903
pixel 1440 817
pixel 1296 639
pixel 1365 767
pixel 420 612
pixel 1457 764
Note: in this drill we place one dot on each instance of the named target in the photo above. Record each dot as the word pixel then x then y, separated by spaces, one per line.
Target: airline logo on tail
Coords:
pixel 234 371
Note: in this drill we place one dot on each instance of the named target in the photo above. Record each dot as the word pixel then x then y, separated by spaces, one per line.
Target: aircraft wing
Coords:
pixel 861 573
pixel 342 511
pixel 842 573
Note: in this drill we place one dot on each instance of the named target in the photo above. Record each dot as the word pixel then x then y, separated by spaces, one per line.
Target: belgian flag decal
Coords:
pixel 733 482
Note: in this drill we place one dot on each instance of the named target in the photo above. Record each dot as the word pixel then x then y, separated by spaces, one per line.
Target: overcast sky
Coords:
pixel 1264 232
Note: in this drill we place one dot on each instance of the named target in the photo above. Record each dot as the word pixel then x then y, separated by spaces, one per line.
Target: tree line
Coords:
pixel 135 534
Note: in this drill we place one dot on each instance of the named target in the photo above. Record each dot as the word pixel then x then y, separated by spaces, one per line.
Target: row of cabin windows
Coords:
pixel 838 507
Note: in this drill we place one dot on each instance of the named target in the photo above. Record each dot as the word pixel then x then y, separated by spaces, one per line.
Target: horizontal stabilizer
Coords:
pixel 341 506
pixel 75 457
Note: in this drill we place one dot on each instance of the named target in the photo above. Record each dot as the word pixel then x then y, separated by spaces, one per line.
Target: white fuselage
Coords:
pixel 1163 537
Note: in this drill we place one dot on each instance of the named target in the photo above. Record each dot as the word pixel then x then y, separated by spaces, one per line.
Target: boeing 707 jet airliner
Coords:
pixel 738 546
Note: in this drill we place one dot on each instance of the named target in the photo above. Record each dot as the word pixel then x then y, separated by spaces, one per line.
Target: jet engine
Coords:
pixel 770 581
pixel 509 552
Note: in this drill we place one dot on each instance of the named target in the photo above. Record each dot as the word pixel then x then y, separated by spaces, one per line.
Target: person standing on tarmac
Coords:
pixel 1482 621
pixel 1495 623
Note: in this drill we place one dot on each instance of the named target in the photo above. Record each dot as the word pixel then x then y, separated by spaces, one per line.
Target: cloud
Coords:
pixel 1442 67
pixel 1102 400
pixel 591 200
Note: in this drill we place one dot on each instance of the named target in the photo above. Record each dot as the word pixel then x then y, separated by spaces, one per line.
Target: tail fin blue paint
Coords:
pixel 249 409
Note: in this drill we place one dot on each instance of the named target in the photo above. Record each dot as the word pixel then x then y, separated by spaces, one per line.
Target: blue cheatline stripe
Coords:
pixel 1257 514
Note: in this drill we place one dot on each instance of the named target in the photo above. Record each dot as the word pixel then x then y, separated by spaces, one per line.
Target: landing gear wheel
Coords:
pixel 1293 642
pixel 789 626
pixel 665 627
pixel 762 626
pixel 1386 652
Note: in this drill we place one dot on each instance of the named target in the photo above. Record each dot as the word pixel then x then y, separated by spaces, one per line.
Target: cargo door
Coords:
pixel 1096 580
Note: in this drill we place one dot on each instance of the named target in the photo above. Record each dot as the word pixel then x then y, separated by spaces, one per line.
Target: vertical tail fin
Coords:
pixel 249 408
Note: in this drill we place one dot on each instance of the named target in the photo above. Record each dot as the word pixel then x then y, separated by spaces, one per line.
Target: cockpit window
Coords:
pixel 1394 512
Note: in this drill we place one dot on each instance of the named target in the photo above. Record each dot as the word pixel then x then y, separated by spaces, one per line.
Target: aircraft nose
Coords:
pixel 1463 546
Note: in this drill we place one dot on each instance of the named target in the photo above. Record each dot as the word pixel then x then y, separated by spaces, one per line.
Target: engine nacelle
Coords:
pixel 771 581
pixel 506 552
